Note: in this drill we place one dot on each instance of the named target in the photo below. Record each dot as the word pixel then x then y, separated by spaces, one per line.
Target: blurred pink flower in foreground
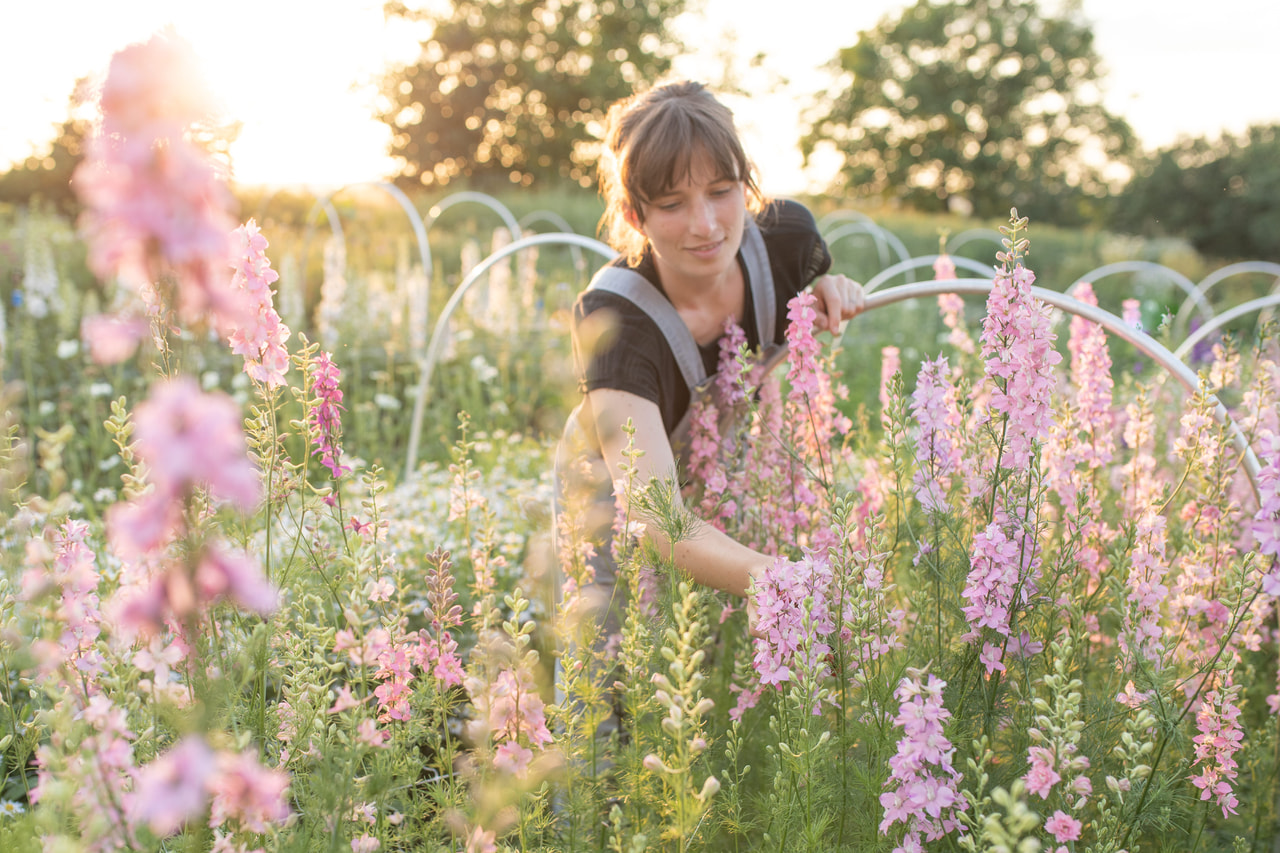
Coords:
pixel 155 202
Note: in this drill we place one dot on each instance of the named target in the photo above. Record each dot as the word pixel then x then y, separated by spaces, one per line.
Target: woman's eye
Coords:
pixel 669 205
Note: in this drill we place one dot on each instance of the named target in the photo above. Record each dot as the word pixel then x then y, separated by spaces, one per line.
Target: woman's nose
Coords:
pixel 704 216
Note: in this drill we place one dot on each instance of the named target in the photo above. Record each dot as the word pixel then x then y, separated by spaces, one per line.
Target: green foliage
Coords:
pixel 511 91
pixel 992 102
pixel 1220 195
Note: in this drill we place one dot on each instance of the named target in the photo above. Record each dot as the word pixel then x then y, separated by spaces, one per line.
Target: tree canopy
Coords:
pixel 513 91
pixel 46 175
pixel 1221 195
pixel 989 101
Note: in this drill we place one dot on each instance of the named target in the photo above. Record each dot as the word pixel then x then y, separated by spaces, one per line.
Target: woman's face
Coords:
pixel 695 229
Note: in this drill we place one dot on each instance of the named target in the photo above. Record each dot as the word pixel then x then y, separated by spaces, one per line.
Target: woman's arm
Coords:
pixel 709 556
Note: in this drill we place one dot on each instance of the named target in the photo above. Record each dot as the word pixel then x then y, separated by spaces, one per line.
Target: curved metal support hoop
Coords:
pixel 924 261
pixel 880 235
pixel 1209 281
pixel 1150 347
pixel 984 234
pixel 1147 266
pixel 508 218
pixel 437 332
pixel 562 224
pixel 322 203
pixel 837 216
pixel 1222 319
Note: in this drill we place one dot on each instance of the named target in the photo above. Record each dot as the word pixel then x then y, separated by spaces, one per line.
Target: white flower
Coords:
pixel 10 808
pixel 386 401
pixel 46 407
pixel 100 389
pixel 66 349
pixel 485 371
pixel 209 380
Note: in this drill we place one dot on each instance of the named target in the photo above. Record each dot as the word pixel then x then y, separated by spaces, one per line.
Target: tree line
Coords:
pixel 963 106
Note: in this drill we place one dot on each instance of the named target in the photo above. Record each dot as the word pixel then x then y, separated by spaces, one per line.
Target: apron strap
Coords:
pixel 637 289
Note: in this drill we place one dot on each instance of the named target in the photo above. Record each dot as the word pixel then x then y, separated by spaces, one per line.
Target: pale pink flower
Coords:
pixel 437 648
pixel 1141 631
pixel 794 623
pixel 187 437
pixel 345 701
pixel 482 841
pixel 921 790
pixel 509 708
pixel 952 307
pixel 155 202
pixel 244 790
pixel 1017 347
pixel 1063 827
pixel 259 336
pixel 944 269
pixel 173 788
pixel 365 844
pixel 234 575
pixel 1042 774
pixel 890 365
pixel 1131 313
pixel 369 734
pixel 512 758
pixel 1219 739
pixel 934 407
pixel 112 338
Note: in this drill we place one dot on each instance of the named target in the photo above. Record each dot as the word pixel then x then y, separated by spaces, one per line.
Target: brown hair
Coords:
pixel 650 142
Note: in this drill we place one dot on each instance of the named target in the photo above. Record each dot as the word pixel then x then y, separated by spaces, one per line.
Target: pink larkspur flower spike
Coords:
pixel 156 205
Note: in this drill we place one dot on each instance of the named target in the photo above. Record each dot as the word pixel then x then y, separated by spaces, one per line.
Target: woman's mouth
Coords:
pixel 706 250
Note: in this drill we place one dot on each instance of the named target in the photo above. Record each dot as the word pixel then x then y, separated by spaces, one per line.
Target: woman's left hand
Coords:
pixel 838 299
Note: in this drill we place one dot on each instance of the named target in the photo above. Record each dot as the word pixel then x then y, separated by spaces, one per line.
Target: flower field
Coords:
pixel 1024 595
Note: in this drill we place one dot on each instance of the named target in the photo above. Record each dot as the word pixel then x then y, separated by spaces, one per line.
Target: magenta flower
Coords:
pixel 326 413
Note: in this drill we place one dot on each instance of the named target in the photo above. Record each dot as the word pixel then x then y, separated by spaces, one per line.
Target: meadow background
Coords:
pixel 1025 589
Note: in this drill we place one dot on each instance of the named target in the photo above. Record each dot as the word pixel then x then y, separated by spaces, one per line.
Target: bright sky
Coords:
pixel 299 74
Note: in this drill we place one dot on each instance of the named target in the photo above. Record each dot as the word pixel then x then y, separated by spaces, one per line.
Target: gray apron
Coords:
pixel 579 465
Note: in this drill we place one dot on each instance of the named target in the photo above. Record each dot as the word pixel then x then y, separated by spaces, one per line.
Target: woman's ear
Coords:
pixel 632 218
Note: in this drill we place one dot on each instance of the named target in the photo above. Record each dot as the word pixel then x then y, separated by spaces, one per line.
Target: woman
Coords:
pixel 699 245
